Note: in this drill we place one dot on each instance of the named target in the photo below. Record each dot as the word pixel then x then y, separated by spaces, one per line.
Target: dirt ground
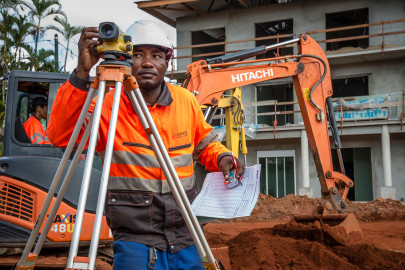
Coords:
pixel 264 240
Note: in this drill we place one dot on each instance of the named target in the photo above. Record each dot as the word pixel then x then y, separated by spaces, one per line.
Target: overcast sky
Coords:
pixel 91 13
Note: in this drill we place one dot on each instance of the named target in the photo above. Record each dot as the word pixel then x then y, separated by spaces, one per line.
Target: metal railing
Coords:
pixel 388 107
pixel 375 33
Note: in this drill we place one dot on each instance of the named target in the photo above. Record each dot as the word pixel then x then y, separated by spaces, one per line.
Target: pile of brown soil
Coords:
pixel 257 242
pixel 262 249
pixel 283 209
pixel 379 209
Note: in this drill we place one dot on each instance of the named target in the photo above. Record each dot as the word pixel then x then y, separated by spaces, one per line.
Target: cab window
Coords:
pixel 33 106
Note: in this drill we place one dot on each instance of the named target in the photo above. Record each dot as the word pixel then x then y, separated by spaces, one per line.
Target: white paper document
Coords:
pixel 218 201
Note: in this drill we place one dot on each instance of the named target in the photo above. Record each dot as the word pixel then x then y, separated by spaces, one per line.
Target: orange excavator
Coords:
pixel 27 170
pixel 309 69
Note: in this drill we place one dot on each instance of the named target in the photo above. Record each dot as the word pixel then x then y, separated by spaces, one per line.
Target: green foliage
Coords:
pixel 2 115
pixel 23 28
pixel 2 111
pixel 68 31
pixel 39 10
pixel 20 19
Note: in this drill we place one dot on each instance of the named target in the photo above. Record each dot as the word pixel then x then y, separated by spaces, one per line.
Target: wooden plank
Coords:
pixel 219 116
pixel 231 42
pixel 151 4
pixel 160 16
pixel 353 26
pixel 199 55
pixel 243 3
pixel 201 45
pixel 273 113
pixel 190 7
pixel 180 10
pixel 260 103
pixel 361 37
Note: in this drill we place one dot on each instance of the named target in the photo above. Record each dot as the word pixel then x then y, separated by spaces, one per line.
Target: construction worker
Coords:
pixel 147 226
pixel 33 126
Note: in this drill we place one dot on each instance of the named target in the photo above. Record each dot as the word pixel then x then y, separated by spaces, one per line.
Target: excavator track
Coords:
pixel 49 262
pixel 54 258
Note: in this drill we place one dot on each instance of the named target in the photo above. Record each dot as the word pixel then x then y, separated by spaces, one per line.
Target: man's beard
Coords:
pixel 148 85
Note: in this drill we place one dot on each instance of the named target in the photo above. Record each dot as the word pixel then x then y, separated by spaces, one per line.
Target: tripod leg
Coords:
pixel 55 182
pixel 104 176
pixel 174 182
pixel 86 175
pixel 63 188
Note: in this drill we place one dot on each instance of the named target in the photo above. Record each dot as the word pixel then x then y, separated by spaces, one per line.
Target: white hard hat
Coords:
pixel 146 32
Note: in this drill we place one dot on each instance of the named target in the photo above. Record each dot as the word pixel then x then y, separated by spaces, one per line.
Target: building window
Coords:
pixel 347 18
pixel 357 164
pixel 277 177
pixel 350 87
pixel 208 36
pixel 281 93
pixel 274 28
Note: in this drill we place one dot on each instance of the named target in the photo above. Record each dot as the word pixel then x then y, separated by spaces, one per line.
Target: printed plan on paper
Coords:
pixel 218 201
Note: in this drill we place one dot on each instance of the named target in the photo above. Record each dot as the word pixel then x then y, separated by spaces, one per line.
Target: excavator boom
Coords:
pixel 310 73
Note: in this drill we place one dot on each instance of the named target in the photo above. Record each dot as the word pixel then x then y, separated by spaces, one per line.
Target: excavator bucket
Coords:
pixel 333 229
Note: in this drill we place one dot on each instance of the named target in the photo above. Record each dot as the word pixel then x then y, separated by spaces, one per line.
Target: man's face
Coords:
pixel 149 67
pixel 43 111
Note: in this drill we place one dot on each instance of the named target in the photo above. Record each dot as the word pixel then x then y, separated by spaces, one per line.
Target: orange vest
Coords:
pixel 181 125
pixel 35 131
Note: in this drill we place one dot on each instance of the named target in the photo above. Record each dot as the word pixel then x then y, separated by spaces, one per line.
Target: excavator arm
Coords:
pixel 309 69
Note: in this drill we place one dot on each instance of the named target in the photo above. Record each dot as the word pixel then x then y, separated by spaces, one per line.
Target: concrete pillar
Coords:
pixel 184 39
pixel 386 191
pixel 305 189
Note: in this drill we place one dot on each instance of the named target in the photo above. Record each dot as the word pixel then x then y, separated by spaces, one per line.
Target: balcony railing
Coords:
pixel 389 107
pixel 376 30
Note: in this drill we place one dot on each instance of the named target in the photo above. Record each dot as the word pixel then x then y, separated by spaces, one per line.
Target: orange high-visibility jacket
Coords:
pixel 35 131
pixel 178 118
pixel 139 206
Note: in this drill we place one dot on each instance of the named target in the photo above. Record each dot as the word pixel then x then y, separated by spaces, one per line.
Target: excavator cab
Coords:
pixel 27 169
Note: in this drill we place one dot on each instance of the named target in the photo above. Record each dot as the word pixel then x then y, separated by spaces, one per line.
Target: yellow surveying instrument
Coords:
pixel 116 45
pixel 114 71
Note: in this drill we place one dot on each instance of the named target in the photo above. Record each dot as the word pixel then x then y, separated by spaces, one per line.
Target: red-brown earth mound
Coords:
pixel 264 240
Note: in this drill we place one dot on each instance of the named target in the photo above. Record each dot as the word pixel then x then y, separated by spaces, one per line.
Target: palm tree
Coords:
pixel 68 31
pixel 13 4
pixel 43 63
pixel 5 29
pixel 2 114
pixel 40 9
pixel 23 28
pixel 5 65
pixel 6 25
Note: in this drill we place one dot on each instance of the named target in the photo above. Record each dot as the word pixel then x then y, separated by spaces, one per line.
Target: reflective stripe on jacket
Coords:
pixel 35 131
pixel 138 193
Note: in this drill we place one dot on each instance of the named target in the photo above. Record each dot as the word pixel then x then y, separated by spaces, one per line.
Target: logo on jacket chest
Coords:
pixel 180 134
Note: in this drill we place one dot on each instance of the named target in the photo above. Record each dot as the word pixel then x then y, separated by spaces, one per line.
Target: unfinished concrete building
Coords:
pixel 365 44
